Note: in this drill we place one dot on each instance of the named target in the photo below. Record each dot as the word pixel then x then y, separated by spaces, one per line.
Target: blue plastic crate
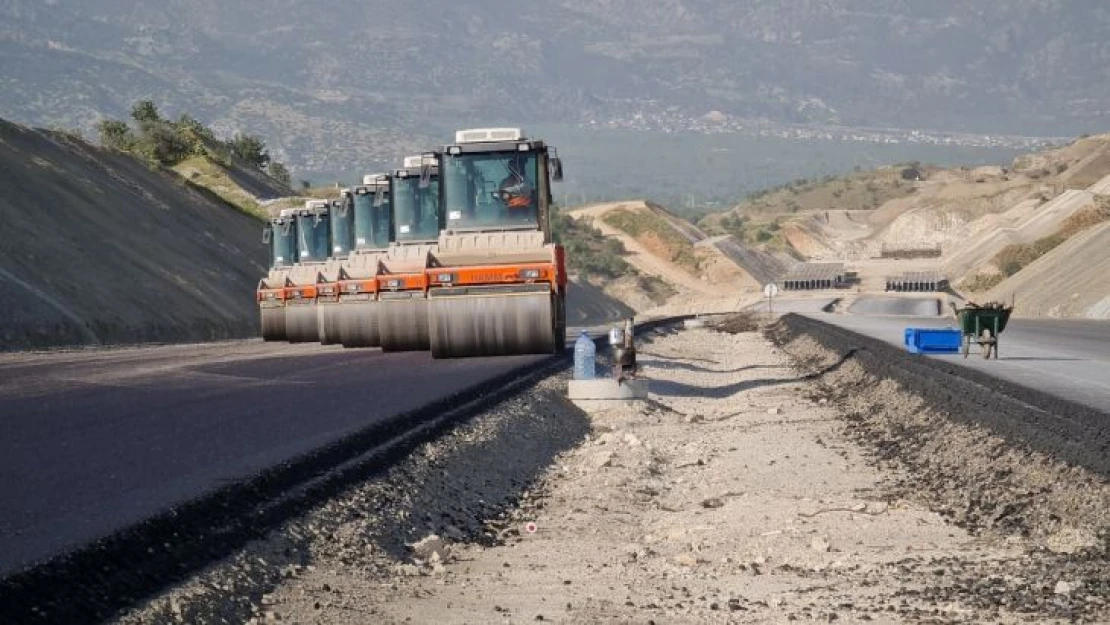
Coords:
pixel 933 340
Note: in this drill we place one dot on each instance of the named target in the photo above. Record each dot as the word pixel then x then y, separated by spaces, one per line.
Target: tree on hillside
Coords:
pixel 115 134
pixel 161 142
pixel 188 125
pixel 250 149
pixel 280 172
pixel 145 112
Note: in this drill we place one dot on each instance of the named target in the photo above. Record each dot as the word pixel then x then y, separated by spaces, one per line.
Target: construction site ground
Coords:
pixel 760 483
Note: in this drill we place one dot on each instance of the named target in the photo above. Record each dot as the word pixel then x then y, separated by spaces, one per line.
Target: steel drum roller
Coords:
pixel 358 324
pixel 273 324
pixel 492 325
pixel 404 324
pixel 301 323
pixel 327 318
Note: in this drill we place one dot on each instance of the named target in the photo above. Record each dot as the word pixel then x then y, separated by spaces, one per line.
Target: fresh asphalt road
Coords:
pixel 1066 358
pixel 95 441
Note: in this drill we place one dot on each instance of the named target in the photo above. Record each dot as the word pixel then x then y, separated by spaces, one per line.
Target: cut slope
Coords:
pixel 762 267
pixel 759 266
pixel 637 254
pixel 99 249
pixel 705 271
pixel 1070 281
pixel 1029 225
pixel 819 220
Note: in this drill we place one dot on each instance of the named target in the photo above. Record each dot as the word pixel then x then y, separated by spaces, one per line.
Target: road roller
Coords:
pixel 402 282
pixel 496 281
pixel 341 217
pixel 280 235
pixel 355 314
pixel 313 243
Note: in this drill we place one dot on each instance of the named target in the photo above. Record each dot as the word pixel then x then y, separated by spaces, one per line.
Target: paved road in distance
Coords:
pixel 1063 357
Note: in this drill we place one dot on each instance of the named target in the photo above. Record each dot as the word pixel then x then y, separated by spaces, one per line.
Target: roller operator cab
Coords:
pixel 355 318
pixel 418 219
pixel 313 246
pixel 280 236
pixel 497 282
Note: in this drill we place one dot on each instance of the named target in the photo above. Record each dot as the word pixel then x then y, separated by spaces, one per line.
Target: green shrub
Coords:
pixel 115 134
pixel 160 142
pixel 589 252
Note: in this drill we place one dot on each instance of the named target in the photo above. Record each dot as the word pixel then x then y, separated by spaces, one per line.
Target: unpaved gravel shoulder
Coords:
pixel 455 486
pixel 736 494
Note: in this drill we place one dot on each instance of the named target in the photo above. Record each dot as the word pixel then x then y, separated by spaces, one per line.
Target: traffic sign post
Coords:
pixel 770 291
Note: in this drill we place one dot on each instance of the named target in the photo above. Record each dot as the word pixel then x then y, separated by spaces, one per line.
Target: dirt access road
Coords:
pixel 738 493
pixel 642 258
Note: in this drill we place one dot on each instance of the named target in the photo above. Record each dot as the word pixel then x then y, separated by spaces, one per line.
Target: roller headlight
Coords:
pixel 530 274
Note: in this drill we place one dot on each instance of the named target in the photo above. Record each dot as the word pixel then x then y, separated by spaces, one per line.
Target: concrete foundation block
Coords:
pixel 605 391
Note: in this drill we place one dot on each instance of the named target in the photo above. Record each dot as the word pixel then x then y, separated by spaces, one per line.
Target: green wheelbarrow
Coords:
pixel 982 325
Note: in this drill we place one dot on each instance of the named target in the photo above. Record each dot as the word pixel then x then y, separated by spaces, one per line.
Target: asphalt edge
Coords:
pixel 98 581
pixel 1074 433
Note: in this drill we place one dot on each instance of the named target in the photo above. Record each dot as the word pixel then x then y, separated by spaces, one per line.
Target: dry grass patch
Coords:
pixel 655 233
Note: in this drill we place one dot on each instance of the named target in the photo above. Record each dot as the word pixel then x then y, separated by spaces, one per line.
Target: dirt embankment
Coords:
pixel 100 249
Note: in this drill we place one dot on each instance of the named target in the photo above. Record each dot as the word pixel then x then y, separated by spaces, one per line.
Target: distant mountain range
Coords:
pixel 330 82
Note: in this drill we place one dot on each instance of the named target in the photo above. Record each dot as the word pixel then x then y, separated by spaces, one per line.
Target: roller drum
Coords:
pixel 301 323
pixel 357 324
pixel 404 324
pixel 493 325
pixel 327 318
pixel 273 323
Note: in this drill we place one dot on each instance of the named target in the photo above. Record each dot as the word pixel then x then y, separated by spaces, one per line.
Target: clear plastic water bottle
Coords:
pixel 584 354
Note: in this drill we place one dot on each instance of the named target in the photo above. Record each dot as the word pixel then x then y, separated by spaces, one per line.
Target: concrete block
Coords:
pixel 607 389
